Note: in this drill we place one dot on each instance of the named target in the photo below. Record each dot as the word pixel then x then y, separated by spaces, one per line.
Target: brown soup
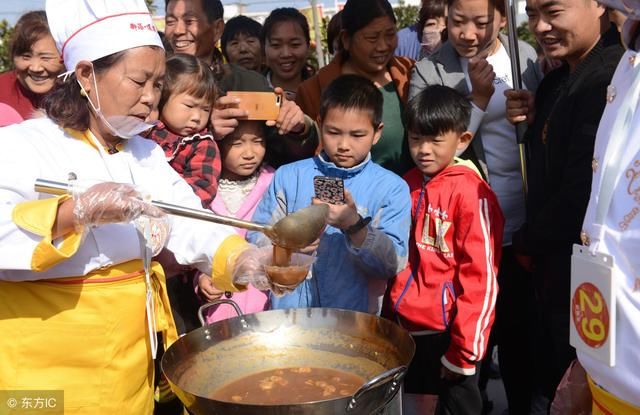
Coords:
pixel 289 386
pixel 287 276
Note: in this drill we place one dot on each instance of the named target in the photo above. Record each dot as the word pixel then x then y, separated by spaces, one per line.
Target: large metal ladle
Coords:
pixel 294 231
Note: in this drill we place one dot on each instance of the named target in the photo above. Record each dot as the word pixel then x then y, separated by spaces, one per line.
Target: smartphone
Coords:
pixel 259 105
pixel 329 189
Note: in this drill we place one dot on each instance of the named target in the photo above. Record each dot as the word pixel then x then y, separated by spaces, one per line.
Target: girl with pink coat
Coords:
pixel 243 180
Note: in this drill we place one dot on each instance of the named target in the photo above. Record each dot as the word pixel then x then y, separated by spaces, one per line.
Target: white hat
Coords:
pixel 92 29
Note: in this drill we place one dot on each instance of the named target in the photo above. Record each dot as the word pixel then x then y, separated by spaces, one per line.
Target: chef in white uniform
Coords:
pixel 612 227
pixel 78 310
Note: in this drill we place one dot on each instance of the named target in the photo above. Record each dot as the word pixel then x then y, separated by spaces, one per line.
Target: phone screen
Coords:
pixel 329 189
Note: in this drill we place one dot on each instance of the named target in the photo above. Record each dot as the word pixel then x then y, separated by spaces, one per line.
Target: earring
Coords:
pixel 84 94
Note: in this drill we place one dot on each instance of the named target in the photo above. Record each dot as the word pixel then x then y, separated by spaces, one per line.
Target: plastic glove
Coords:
pixel 155 230
pixel 573 396
pixel 250 268
pixel 111 203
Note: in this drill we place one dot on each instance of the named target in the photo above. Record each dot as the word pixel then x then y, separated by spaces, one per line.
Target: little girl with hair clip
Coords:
pixel 245 177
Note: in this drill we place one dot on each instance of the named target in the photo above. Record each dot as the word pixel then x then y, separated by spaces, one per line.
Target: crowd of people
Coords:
pixel 446 226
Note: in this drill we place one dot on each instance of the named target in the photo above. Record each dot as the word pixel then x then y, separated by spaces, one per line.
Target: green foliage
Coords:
pixel 406 15
pixel 313 58
pixel 5 34
pixel 150 5
pixel 525 34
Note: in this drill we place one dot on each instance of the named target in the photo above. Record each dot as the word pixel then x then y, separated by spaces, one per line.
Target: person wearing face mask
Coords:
pixel 425 36
pixel 36 64
pixel 80 296
pixel 475 61
pixel 608 227
pixel 433 20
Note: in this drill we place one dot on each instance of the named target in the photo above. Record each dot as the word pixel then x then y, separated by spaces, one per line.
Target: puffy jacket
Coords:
pixel 450 279
pixel 343 276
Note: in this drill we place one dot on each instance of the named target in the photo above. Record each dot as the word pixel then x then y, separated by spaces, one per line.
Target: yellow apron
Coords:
pixel 87 336
pixel 605 403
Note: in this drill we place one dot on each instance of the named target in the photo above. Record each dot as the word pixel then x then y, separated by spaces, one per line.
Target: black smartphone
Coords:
pixel 329 189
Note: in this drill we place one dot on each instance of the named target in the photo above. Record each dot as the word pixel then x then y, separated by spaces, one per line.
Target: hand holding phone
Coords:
pixel 329 189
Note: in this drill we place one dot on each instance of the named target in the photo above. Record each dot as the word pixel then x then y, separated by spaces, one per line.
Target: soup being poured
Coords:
pixel 289 386
pixel 282 271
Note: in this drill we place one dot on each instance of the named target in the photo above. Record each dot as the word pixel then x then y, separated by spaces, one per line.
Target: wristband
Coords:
pixel 361 223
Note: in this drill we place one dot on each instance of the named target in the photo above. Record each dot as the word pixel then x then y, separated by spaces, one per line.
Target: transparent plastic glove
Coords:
pixel 155 231
pixel 573 396
pixel 111 203
pixel 251 268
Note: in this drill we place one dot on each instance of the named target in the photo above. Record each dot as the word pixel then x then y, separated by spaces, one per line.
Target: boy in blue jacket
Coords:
pixel 365 242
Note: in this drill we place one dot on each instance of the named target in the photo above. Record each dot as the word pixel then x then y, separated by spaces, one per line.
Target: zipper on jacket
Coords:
pixel 414 267
pixel 447 286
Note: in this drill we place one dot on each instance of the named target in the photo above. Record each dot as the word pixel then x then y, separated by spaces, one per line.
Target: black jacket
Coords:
pixel 560 144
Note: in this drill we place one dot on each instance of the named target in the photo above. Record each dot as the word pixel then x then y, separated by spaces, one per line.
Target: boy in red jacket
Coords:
pixel 446 295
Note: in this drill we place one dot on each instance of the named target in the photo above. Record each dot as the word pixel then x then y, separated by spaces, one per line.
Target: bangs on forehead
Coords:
pixel 189 84
pixel 190 75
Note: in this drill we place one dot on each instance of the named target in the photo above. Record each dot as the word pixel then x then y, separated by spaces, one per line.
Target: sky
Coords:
pixel 11 10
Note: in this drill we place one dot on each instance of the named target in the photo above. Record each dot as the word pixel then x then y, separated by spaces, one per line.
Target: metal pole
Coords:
pixel 516 76
pixel 60 188
pixel 316 29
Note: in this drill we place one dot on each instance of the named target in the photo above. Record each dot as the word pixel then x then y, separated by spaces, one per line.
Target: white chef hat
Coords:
pixel 92 29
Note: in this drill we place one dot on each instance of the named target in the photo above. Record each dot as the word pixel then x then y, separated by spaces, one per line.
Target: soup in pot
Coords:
pixel 289 386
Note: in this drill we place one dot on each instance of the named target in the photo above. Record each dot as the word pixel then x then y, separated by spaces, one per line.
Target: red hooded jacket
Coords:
pixel 454 251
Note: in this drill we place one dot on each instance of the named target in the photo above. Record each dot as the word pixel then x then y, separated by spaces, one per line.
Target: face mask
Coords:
pixel 123 126
pixel 431 40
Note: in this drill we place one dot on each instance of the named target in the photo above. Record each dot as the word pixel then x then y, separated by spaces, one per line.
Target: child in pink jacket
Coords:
pixel 243 180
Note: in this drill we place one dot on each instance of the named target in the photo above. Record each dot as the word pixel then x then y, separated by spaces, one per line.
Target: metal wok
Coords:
pixel 206 359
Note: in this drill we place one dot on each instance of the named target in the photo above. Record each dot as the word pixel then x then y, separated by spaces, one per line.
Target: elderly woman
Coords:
pixel 241 44
pixel 36 64
pixel 369 39
pixel 80 307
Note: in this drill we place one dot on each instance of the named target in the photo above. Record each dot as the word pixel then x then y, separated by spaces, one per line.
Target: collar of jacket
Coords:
pixel 329 168
pixel 449 58
pixel 399 68
pixel 609 38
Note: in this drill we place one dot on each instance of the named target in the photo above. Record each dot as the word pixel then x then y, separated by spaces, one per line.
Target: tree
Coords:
pixel 406 15
pixel 151 6
pixel 5 35
pixel 525 34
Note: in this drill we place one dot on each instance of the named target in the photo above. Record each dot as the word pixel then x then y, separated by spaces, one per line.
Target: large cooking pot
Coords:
pixel 371 347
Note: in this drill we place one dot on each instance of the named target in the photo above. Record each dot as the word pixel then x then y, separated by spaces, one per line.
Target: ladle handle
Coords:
pixel 392 376
pixel 216 302
pixel 60 188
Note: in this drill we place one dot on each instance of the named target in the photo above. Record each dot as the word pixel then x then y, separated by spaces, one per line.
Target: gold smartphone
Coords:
pixel 259 105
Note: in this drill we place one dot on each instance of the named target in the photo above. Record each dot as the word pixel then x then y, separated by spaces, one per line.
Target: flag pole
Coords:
pixel 516 76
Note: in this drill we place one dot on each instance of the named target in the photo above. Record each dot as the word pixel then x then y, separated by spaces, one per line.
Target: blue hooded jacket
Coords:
pixel 343 276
